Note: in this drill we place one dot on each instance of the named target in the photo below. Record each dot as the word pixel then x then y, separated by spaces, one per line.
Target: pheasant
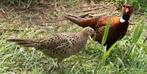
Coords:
pixel 118 25
pixel 61 45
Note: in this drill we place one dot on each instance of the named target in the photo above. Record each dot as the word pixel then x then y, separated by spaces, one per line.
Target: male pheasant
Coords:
pixel 59 46
pixel 118 25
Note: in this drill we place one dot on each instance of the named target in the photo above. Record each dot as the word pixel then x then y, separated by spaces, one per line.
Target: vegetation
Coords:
pixel 127 56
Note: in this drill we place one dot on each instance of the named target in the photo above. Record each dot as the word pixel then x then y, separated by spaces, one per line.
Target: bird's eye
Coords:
pixel 91 30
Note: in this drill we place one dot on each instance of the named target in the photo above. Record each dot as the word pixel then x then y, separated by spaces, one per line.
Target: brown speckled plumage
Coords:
pixel 58 46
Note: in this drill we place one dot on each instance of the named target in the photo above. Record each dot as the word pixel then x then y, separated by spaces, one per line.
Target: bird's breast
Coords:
pixel 115 32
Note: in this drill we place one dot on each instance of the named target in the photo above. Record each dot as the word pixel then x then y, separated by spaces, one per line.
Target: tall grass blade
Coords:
pixel 104 57
pixel 138 31
pixel 106 33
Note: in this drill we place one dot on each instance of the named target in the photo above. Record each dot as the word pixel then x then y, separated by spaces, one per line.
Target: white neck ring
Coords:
pixel 122 20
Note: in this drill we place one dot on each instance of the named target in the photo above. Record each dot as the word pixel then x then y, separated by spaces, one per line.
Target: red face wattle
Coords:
pixel 127 9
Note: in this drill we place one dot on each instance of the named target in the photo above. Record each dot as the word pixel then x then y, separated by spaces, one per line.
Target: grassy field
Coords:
pixel 33 19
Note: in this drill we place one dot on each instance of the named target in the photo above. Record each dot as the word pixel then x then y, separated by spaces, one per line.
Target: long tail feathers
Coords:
pixel 23 42
pixel 82 21
pixel 74 19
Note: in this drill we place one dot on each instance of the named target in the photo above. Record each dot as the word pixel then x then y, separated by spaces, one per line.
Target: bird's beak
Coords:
pixel 93 36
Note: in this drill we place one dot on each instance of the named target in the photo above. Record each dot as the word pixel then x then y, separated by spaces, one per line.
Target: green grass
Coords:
pixel 139 5
pixel 126 56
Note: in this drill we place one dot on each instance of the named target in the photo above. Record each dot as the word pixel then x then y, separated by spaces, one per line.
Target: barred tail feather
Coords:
pixel 82 21
pixel 74 19
pixel 23 42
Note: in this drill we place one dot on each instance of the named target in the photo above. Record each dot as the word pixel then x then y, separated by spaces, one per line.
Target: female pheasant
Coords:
pixel 118 25
pixel 59 46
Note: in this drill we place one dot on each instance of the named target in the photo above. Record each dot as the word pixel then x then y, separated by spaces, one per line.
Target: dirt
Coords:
pixel 52 14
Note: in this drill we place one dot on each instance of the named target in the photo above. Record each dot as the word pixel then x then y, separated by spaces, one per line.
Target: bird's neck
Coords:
pixel 82 38
pixel 124 18
pixel 84 34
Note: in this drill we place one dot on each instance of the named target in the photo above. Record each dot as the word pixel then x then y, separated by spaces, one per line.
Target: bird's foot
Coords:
pixel 52 68
pixel 56 68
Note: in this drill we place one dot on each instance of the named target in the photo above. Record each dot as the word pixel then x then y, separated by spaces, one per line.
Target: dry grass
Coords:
pixel 38 21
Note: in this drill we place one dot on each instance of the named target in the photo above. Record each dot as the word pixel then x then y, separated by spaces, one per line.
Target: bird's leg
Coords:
pixel 53 67
pixel 109 44
pixel 59 63
pixel 105 48
pixel 60 67
pixel 57 67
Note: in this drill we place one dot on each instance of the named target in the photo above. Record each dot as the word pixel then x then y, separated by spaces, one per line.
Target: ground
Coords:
pixel 46 19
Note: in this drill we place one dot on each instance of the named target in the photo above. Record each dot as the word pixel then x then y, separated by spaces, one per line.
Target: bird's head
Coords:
pixel 127 9
pixel 89 31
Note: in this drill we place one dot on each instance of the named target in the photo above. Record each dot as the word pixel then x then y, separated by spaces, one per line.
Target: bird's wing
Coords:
pixel 54 42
